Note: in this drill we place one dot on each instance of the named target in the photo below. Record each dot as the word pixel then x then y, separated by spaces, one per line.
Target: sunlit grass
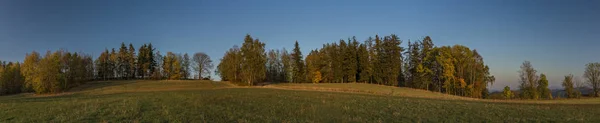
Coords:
pixel 369 88
pixel 410 92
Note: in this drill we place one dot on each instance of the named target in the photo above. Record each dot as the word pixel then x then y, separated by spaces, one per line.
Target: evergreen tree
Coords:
pixel 414 61
pixel 394 52
pixel 351 60
pixel 142 62
pixel 363 69
pixel 336 63
pixel 11 79
pixel 326 63
pixel 370 42
pixel 344 59
pixel 151 59
pixel 298 62
pixel 131 62
pixel 123 62
pixel 185 66
pixel 389 60
pixel 427 62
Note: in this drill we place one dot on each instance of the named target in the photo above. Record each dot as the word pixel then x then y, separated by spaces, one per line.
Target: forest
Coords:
pixel 58 71
pixel 457 70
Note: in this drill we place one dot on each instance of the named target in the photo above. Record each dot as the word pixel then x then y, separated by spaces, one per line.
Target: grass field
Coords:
pixel 205 101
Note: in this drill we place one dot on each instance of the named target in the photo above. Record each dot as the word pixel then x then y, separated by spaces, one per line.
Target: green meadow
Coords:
pixel 208 101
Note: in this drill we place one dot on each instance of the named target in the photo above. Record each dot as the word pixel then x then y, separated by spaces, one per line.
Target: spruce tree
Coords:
pixel 351 60
pixel 150 58
pixel 185 66
pixel 123 60
pixel 132 62
pixel 142 62
pixel 363 64
pixel 299 74
pixel 336 58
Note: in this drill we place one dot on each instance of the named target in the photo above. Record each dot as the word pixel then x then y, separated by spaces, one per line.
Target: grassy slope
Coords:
pixel 158 101
pixel 417 93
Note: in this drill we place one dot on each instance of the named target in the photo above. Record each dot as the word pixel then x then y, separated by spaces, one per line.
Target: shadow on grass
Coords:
pixel 77 96
pixel 99 84
pixel 71 93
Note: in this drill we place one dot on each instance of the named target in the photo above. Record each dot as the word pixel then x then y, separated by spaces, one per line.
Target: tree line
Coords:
pixel 151 64
pixel 52 73
pixel 534 86
pixel 61 70
pixel 454 69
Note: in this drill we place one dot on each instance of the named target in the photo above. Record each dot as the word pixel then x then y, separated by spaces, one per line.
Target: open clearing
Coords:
pixel 206 101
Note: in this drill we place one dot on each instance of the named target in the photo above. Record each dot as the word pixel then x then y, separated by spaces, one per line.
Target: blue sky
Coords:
pixel 558 37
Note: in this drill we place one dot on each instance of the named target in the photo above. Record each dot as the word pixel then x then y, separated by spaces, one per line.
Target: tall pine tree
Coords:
pixel 299 74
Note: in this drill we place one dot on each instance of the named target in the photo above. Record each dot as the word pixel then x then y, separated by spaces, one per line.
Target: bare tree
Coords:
pixel 592 75
pixel 528 80
pixel 202 64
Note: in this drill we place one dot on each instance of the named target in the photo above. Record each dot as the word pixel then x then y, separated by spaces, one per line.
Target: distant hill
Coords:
pixel 585 91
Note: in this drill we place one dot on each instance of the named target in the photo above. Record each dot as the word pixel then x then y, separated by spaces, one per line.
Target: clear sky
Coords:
pixel 558 37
